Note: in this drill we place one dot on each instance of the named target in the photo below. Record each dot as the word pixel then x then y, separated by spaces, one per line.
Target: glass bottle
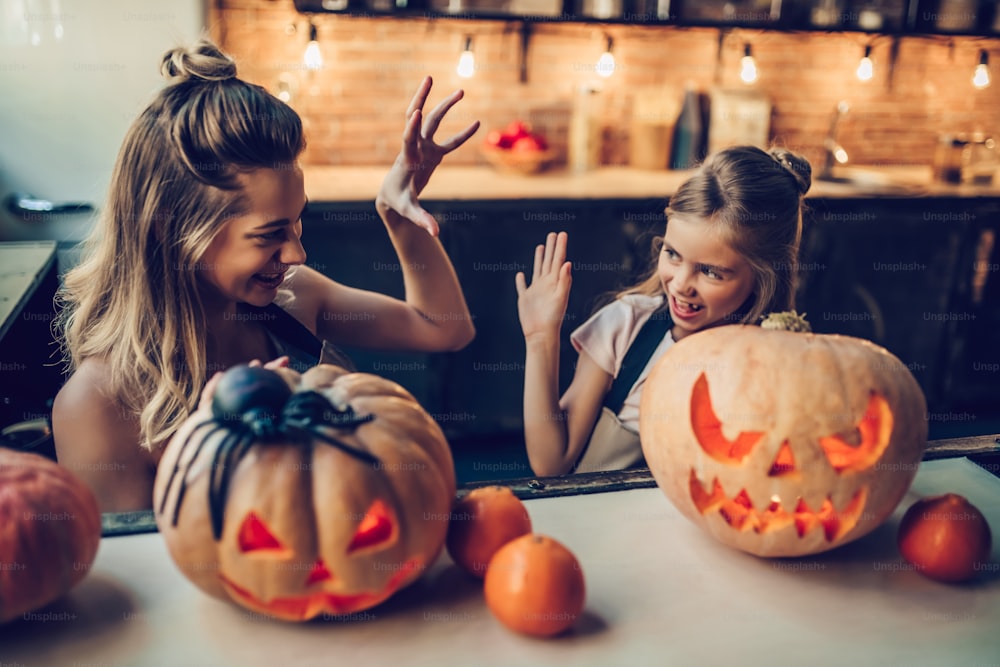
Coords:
pixel 688 145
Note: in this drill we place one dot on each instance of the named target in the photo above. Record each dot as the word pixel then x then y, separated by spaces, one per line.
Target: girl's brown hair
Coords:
pixel 756 198
pixel 134 300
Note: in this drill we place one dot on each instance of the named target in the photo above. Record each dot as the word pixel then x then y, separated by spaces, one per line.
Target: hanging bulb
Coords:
pixel 467 61
pixel 312 59
pixel 748 66
pixel 981 78
pixel 866 69
pixel 606 63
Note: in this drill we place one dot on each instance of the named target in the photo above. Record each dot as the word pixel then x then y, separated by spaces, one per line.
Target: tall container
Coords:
pixel 689 133
pixel 654 112
pixel 586 130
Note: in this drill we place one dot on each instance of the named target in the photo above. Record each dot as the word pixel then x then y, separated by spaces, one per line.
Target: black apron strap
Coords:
pixel 638 355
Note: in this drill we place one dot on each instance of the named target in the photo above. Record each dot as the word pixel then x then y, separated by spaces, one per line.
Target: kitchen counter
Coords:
pixel 345 184
pixel 659 591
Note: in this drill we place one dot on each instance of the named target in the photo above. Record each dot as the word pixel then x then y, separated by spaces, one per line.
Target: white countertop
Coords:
pixel 659 592
pixel 349 184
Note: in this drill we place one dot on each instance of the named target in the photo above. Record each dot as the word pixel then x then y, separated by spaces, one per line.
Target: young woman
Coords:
pixel 728 256
pixel 197 264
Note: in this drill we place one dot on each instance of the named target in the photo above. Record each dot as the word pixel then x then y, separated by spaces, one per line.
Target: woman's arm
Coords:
pixel 95 441
pixel 434 315
pixel 555 430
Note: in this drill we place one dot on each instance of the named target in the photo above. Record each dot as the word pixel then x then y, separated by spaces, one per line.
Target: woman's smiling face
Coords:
pixel 247 260
pixel 704 278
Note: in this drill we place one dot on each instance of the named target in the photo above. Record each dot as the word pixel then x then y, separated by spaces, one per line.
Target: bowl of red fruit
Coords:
pixel 517 149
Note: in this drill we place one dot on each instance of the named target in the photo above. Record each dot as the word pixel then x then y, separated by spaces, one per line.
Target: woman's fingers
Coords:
pixel 536 270
pixel 420 96
pixel 206 393
pixel 438 112
pixel 457 140
pixel 519 283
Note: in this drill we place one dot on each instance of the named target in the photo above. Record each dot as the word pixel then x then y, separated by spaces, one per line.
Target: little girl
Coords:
pixel 728 256
pixel 197 264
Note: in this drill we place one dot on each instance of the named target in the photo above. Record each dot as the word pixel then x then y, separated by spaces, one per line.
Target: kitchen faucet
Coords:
pixel 833 152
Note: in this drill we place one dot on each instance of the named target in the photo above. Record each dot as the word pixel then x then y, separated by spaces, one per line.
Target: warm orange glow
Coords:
pixel 784 462
pixel 739 512
pixel 255 536
pixel 300 608
pixel 875 429
pixel 708 429
pixel 377 528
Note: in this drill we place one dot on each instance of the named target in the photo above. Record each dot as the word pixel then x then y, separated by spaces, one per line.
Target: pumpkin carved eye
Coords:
pixel 708 429
pixel 872 434
pixel 377 528
pixel 255 536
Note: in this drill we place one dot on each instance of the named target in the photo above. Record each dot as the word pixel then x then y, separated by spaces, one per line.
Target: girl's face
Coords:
pixel 247 260
pixel 703 277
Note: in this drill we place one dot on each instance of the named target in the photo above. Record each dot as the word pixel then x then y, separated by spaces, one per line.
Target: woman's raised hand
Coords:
pixel 541 306
pixel 419 157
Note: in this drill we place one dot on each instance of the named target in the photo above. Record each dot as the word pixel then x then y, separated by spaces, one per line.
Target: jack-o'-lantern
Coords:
pixel 779 442
pixel 304 495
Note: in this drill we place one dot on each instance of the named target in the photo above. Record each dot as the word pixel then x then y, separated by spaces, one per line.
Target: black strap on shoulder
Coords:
pixel 638 355
pixel 290 330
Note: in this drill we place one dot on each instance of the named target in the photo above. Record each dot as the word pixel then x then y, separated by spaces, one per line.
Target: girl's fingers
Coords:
pixel 519 283
pixel 254 363
pixel 550 245
pixel 206 393
pixel 537 267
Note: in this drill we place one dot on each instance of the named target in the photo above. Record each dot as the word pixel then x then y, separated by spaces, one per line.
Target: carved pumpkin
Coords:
pixel 296 496
pixel 50 529
pixel 782 443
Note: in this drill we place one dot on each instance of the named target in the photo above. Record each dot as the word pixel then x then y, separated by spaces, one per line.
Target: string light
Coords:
pixel 866 69
pixel 748 66
pixel 981 77
pixel 313 58
pixel 606 63
pixel 467 61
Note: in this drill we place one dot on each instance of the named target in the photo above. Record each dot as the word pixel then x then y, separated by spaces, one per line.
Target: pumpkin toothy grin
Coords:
pixel 740 513
pixel 308 606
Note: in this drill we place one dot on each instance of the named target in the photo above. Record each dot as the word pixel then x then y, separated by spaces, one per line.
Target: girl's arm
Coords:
pixel 434 315
pixel 555 430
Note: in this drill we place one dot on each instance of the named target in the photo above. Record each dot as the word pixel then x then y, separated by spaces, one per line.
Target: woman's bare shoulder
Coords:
pixel 85 410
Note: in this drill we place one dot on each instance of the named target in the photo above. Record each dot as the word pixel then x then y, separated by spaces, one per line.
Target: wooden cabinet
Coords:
pixel 918 276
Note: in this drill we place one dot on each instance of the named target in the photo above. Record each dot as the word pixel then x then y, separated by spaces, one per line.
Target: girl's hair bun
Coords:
pixel 796 165
pixel 202 62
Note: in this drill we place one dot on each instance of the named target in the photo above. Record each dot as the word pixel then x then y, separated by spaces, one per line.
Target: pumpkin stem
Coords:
pixel 786 321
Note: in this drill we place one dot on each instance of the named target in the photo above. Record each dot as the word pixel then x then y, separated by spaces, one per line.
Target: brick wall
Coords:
pixel 353 107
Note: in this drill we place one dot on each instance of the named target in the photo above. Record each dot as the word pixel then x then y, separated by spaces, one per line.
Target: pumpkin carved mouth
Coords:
pixel 738 511
pixel 309 606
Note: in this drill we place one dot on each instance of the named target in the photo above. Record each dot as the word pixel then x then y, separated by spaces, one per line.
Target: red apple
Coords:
pixel 515 130
pixel 529 144
pixel 495 139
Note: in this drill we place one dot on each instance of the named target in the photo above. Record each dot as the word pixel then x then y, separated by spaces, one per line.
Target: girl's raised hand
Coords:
pixel 541 306
pixel 419 157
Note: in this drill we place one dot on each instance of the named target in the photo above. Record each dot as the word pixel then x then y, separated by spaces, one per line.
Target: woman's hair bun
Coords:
pixel 202 62
pixel 796 165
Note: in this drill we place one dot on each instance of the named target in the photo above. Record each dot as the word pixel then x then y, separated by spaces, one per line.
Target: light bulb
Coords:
pixel 467 61
pixel 866 69
pixel 312 59
pixel 981 77
pixel 748 66
pixel 606 63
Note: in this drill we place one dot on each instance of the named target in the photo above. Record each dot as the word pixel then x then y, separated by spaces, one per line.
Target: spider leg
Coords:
pixel 177 464
pixel 315 431
pixel 219 472
pixel 183 490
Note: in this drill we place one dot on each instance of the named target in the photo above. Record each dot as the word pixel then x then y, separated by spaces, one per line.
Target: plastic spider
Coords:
pixel 255 405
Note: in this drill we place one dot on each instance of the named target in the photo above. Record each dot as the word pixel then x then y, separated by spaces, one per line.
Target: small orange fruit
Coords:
pixel 534 585
pixel 484 520
pixel 945 537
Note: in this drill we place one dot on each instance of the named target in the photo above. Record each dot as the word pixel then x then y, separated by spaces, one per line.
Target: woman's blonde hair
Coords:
pixel 134 299
pixel 755 196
